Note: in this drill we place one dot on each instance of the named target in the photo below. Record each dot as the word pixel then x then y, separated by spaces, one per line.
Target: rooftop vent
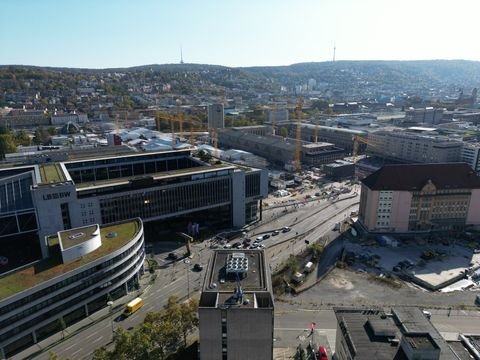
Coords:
pixel 237 263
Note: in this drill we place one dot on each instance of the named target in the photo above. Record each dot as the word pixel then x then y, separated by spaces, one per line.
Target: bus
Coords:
pixel 133 306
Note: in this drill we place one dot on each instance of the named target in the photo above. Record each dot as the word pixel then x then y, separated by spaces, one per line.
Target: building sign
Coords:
pixel 61 195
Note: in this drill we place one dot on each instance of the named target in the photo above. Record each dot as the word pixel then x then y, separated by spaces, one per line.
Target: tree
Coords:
pixel 283 132
pixel 22 138
pixel 315 249
pixel 204 156
pixel 7 145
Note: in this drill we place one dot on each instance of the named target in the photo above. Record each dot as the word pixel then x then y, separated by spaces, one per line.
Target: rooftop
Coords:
pixel 73 237
pixel 51 173
pixel 237 278
pixel 47 269
pixel 413 177
pixel 371 333
pixel 157 176
pixel 253 280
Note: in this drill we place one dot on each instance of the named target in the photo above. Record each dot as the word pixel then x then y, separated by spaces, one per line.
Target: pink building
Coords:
pixel 420 197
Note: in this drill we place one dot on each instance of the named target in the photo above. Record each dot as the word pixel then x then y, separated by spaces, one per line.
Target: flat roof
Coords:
pixel 156 176
pixel 47 269
pixel 254 280
pixel 51 173
pixel 367 331
pixel 420 341
pixel 73 237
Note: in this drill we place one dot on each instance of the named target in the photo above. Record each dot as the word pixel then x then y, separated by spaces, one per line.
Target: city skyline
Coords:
pixel 110 34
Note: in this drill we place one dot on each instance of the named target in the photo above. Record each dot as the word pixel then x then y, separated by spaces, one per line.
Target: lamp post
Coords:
pixel 110 307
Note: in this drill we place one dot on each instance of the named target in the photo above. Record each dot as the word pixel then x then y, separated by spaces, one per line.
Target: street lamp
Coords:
pixel 110 307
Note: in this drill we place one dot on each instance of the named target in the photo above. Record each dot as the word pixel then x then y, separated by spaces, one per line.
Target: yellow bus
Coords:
pixel 133 306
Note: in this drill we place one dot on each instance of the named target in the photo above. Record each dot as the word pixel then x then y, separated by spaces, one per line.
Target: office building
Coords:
pixel 338 136
pixel 84 269
pixel 427 115
pixel 420 197
pixel 276 115
pixel 413 147
pixel 279 150
pixel 236 309
pixel 216 116
pixel 171 187
pixel 471 155
pixel 404 333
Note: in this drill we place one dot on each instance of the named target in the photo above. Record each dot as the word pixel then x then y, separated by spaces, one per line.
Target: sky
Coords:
pixel 123 33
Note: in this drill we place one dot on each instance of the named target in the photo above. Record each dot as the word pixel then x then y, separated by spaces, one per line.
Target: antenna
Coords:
pixel 334 48
pixel 181 55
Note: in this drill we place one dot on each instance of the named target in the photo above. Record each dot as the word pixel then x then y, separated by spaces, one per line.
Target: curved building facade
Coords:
pixel 37 299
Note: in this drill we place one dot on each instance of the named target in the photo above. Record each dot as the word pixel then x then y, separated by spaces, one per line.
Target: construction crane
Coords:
pixel 356 141
pixel 298 143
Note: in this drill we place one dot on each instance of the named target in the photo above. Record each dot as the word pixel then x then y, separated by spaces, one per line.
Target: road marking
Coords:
pixel 98 339
pixel 77 351
pixel 71 346
pixel 91 335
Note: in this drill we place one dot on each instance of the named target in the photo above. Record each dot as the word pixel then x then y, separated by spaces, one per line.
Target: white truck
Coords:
pixel 308 267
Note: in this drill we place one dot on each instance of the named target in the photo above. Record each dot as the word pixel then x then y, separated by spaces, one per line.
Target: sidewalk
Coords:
pixel 44 346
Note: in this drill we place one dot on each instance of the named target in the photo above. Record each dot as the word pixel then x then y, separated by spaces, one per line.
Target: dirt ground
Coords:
pixel 349 288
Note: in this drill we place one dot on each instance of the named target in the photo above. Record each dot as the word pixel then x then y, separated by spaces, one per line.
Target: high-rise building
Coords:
pixel 236 309
pixel 216 116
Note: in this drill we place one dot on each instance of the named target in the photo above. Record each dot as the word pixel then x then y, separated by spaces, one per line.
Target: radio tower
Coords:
pixel 334 48
pixel 181 55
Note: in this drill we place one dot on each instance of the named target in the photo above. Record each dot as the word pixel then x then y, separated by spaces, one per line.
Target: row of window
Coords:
pixel 69 304
pixel 160 202
pixel 61 285
pixel 128 170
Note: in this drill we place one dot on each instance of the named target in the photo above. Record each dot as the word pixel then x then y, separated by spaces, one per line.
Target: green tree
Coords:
pixel 315 250
pixel 182 315
pixel 7 144
pixel 41 136
pixel 283 132
pixel 22 138
pixel 204 156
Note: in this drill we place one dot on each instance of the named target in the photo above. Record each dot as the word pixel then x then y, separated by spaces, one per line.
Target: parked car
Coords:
pixel 198 267
pixel 237 245
pixel 286 229
pixel 275 233
pixel 266 236
pixel 172 256
pixel 259 238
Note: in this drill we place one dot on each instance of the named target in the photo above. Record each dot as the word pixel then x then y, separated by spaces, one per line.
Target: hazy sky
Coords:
pixel 117 33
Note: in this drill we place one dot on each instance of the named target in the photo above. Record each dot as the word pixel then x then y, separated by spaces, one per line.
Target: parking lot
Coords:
pixel 434 264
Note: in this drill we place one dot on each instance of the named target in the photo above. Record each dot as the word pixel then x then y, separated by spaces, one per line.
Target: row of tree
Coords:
pixel 160 334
